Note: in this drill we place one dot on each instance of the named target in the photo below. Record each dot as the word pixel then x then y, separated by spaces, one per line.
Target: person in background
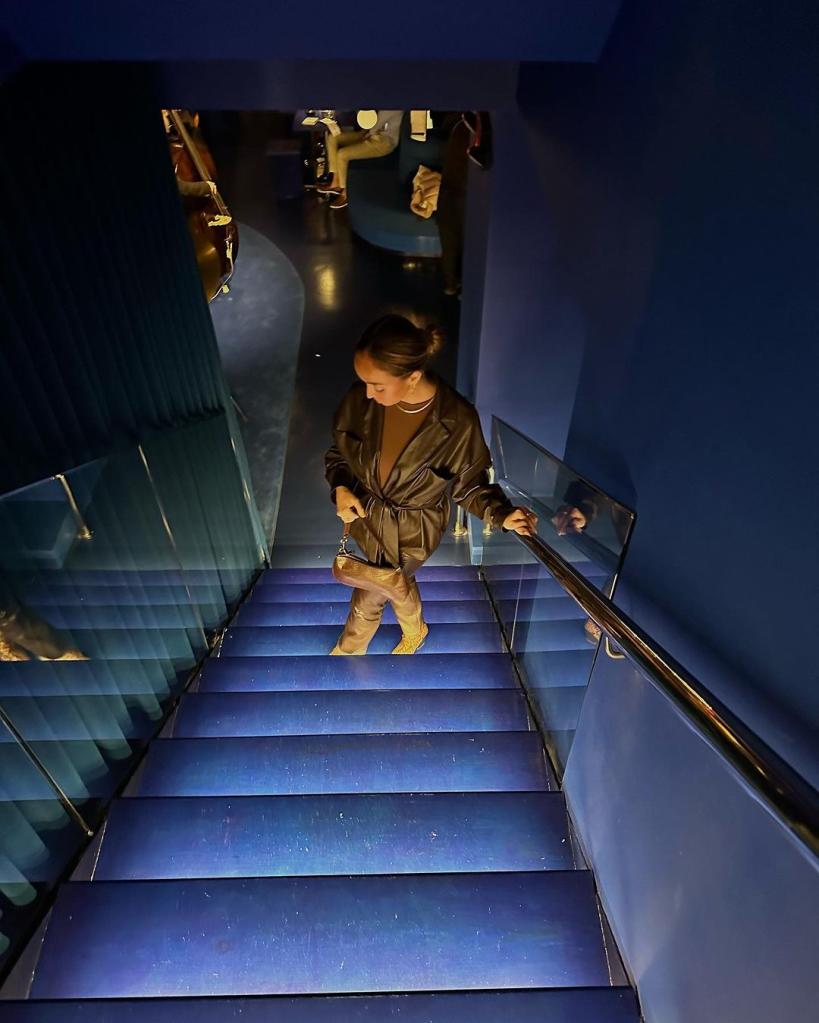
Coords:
pixel 379 140
pixel 404 443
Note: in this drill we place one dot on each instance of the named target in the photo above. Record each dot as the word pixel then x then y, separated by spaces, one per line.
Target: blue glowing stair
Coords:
pixel 313 764
pixel 339 713
pixel 325 935
pixel 261 836
pixel 580 1005
pixel 289 640
pixel 346 839
pixel 440 671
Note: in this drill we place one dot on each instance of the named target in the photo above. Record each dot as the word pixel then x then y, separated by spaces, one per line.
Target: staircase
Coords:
pixel 344 839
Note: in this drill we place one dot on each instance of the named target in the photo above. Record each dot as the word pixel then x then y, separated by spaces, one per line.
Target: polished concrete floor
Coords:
pixel 294 246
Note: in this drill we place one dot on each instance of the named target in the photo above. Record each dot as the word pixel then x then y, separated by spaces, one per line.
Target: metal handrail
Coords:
pixel 781 788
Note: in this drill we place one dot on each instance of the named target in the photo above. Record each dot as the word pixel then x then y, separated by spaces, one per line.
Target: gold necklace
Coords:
pixel 415 411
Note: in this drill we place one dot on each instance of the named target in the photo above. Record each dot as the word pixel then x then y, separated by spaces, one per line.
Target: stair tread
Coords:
pixel 98 677
pixel 104 717
pixel 429 573
pixel 322 935
pixel 559 1005
pixel 471 637
pixel 470 671
pixel 342 713
pixel 268 591
pixel 549 608
pixel 254 836
pixel 272 765
pixel 335 613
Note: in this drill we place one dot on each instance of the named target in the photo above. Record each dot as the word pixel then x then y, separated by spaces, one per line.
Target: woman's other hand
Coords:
pixel 521 521
pixel 348 506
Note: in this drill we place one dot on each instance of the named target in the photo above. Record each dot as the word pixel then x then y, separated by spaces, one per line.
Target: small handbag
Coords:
pixel 351 570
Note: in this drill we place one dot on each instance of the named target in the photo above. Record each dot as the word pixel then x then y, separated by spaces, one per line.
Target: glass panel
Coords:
pixel 555 645
pixel 210 510
pixel 98 633
pixel 108 577
pixel 579 520
pixel 38 840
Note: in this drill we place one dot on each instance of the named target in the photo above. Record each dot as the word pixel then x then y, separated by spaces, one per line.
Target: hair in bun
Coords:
pixel 398 346
pixel 435 339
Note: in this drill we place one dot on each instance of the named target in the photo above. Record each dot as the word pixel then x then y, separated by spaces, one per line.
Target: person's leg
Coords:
pixel 362 622
pixel 333 143
pixel 410 613
pixel 369 149
pixel 451 209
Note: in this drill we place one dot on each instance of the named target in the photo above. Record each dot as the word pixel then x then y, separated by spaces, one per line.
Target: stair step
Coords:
pixel 176 646
pixel 466 637
pixel 83 768
pixel 426 573
pixel 549 608
pixel 81 717
pixel 132 577
pixel 294 640
pixel 262 836
pixel 284 765
pixel 285 593
pixel 578 1005
pixel 335 613
pixel 40 678
pixel 440 671
pixel 532 588
pixel 343 713
pixel 559 706
pixel 435 612
pixel 325 935
pixel 122 616
pixel 534 570
pixel 557 667
pixel 48 594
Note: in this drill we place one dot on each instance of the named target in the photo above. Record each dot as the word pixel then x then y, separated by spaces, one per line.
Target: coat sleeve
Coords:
pixel 337 470
pixel 471 488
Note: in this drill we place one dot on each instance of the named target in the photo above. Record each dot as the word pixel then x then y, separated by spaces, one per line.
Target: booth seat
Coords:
pixel 380 190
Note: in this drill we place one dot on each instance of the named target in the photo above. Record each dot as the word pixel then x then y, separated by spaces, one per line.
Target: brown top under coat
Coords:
pixel 398 430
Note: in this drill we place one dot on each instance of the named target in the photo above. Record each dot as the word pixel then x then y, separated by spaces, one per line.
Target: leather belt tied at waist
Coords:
pixel 383 523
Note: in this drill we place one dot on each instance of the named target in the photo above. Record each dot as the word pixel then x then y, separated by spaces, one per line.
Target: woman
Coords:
pixel 403 439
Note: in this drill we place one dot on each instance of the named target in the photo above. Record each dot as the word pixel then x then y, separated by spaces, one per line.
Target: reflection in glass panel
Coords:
pixel 210 510
pixel 97 629
pixel 554 643
pixel 38 839
pixel 579 520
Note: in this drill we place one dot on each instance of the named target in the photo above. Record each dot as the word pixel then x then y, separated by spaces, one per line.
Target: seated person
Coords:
pixel 380 140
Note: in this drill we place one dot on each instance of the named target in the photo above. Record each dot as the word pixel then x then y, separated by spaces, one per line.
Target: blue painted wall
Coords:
pixel 275 29
pixel 669 259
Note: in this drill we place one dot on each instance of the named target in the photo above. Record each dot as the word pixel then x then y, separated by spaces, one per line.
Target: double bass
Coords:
pixel 212 227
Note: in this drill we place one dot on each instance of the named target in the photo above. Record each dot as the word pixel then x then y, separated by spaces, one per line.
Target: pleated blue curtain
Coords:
pixel 105 331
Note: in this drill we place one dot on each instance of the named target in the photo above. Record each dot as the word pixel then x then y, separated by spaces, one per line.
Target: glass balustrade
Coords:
pixel 114 579
pixel 554 643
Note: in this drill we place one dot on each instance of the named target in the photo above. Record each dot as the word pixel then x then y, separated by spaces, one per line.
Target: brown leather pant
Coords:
pixel 367 607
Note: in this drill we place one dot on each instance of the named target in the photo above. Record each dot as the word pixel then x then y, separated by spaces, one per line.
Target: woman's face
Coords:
pixel 382 386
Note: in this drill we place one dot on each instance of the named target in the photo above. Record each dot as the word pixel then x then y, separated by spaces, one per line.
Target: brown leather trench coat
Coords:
pixel 447 456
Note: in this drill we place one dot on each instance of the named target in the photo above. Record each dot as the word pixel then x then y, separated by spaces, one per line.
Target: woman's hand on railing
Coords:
pixel 348 506
pixel 521 521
